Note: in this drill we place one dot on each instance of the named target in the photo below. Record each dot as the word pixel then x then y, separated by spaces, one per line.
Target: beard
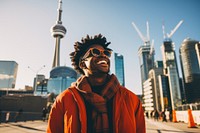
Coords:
pixel 98 69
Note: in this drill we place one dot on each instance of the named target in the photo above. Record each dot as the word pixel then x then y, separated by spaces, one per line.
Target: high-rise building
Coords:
pixel 8 74
pixel 146 59
pixel 61 77
pixel 119 68
pixel 152 100
pixel 171 71
pixel 145 53
pixel 190 69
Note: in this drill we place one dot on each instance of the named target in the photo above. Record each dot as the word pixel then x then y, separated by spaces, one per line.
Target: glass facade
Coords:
pixel 8 74
pixel 146 61
pixel 158 64
pixel 119 68
pixel 190 69
pixel 174 87
pixel 164 92
pixel 169 56
pixel 171 71
pixel 60 79
pixel 41 85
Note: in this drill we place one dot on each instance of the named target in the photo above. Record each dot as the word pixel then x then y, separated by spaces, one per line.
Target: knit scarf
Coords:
pixel 98 101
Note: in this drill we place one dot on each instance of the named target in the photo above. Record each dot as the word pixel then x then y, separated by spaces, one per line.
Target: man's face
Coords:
pixel 96 60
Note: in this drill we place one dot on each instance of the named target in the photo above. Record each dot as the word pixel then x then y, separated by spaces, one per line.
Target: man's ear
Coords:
pixel 82 65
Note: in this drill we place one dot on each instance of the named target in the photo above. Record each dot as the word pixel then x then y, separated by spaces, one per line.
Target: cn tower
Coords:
pixel 58 31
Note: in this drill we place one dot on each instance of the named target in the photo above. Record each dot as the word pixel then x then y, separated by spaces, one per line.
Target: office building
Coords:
pixel 152 100
pixel 171 71
pixel 119 68
pixel 148 96
pixel 190 69
pixel 146 59
pixel 8 74
pixel 41 85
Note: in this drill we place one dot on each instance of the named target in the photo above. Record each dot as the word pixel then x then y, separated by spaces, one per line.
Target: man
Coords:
pixel 96 102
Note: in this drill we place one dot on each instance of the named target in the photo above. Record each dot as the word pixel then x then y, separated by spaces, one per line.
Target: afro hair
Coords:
pixel 82 47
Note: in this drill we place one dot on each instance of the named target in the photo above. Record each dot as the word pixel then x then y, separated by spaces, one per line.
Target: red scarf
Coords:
pixel 99 113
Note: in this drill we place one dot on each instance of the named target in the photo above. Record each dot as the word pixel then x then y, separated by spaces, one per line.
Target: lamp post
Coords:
pixel 36 78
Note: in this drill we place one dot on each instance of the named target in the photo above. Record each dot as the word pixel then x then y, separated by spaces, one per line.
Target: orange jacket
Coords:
pixel 68 114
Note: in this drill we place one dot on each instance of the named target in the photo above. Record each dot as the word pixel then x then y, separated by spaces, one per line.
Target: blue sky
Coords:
pixel 25 30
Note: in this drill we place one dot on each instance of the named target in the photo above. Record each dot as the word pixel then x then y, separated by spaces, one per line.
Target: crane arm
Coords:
pixel 174 30
pixel 139 33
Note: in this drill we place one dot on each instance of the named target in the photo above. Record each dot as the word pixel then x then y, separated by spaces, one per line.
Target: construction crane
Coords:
pixel 145 39
pixel 167 36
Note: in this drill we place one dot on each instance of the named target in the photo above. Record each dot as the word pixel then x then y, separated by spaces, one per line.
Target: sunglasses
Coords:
pixel 97 52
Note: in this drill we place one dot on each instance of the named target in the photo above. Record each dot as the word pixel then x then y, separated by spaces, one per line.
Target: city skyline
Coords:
pixel 25 31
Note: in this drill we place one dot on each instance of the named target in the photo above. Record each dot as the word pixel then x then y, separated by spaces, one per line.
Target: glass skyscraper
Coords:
pixel 8 74
pixel 190 69
pixel 146 59
pixel 119 68
pixel 171 71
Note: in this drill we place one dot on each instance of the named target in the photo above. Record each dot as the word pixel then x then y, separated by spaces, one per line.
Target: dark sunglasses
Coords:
pixel 97 52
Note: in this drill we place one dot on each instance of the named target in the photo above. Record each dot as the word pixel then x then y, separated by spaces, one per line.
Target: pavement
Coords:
pixel 24 127
pixel 151 127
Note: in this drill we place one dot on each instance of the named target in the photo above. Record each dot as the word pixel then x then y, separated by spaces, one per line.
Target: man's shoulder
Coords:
pixel 126 91
pixel 66 94
pixel 127 94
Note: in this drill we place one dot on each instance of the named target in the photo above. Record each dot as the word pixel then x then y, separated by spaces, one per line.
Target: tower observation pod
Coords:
pixel 58 31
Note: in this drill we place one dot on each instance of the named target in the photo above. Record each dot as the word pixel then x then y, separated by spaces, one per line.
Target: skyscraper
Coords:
pixel 171 71
pixel 146 54
pixel 190 69
pixel 58 31
pixel 146 59
pixel 119 68
pixel 8 74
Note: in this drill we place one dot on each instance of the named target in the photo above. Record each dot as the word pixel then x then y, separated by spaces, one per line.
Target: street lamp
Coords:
pixel 36 78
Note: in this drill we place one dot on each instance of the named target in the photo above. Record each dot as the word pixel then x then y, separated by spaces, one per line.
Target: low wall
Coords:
pixel 22 107
pixel 182 116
